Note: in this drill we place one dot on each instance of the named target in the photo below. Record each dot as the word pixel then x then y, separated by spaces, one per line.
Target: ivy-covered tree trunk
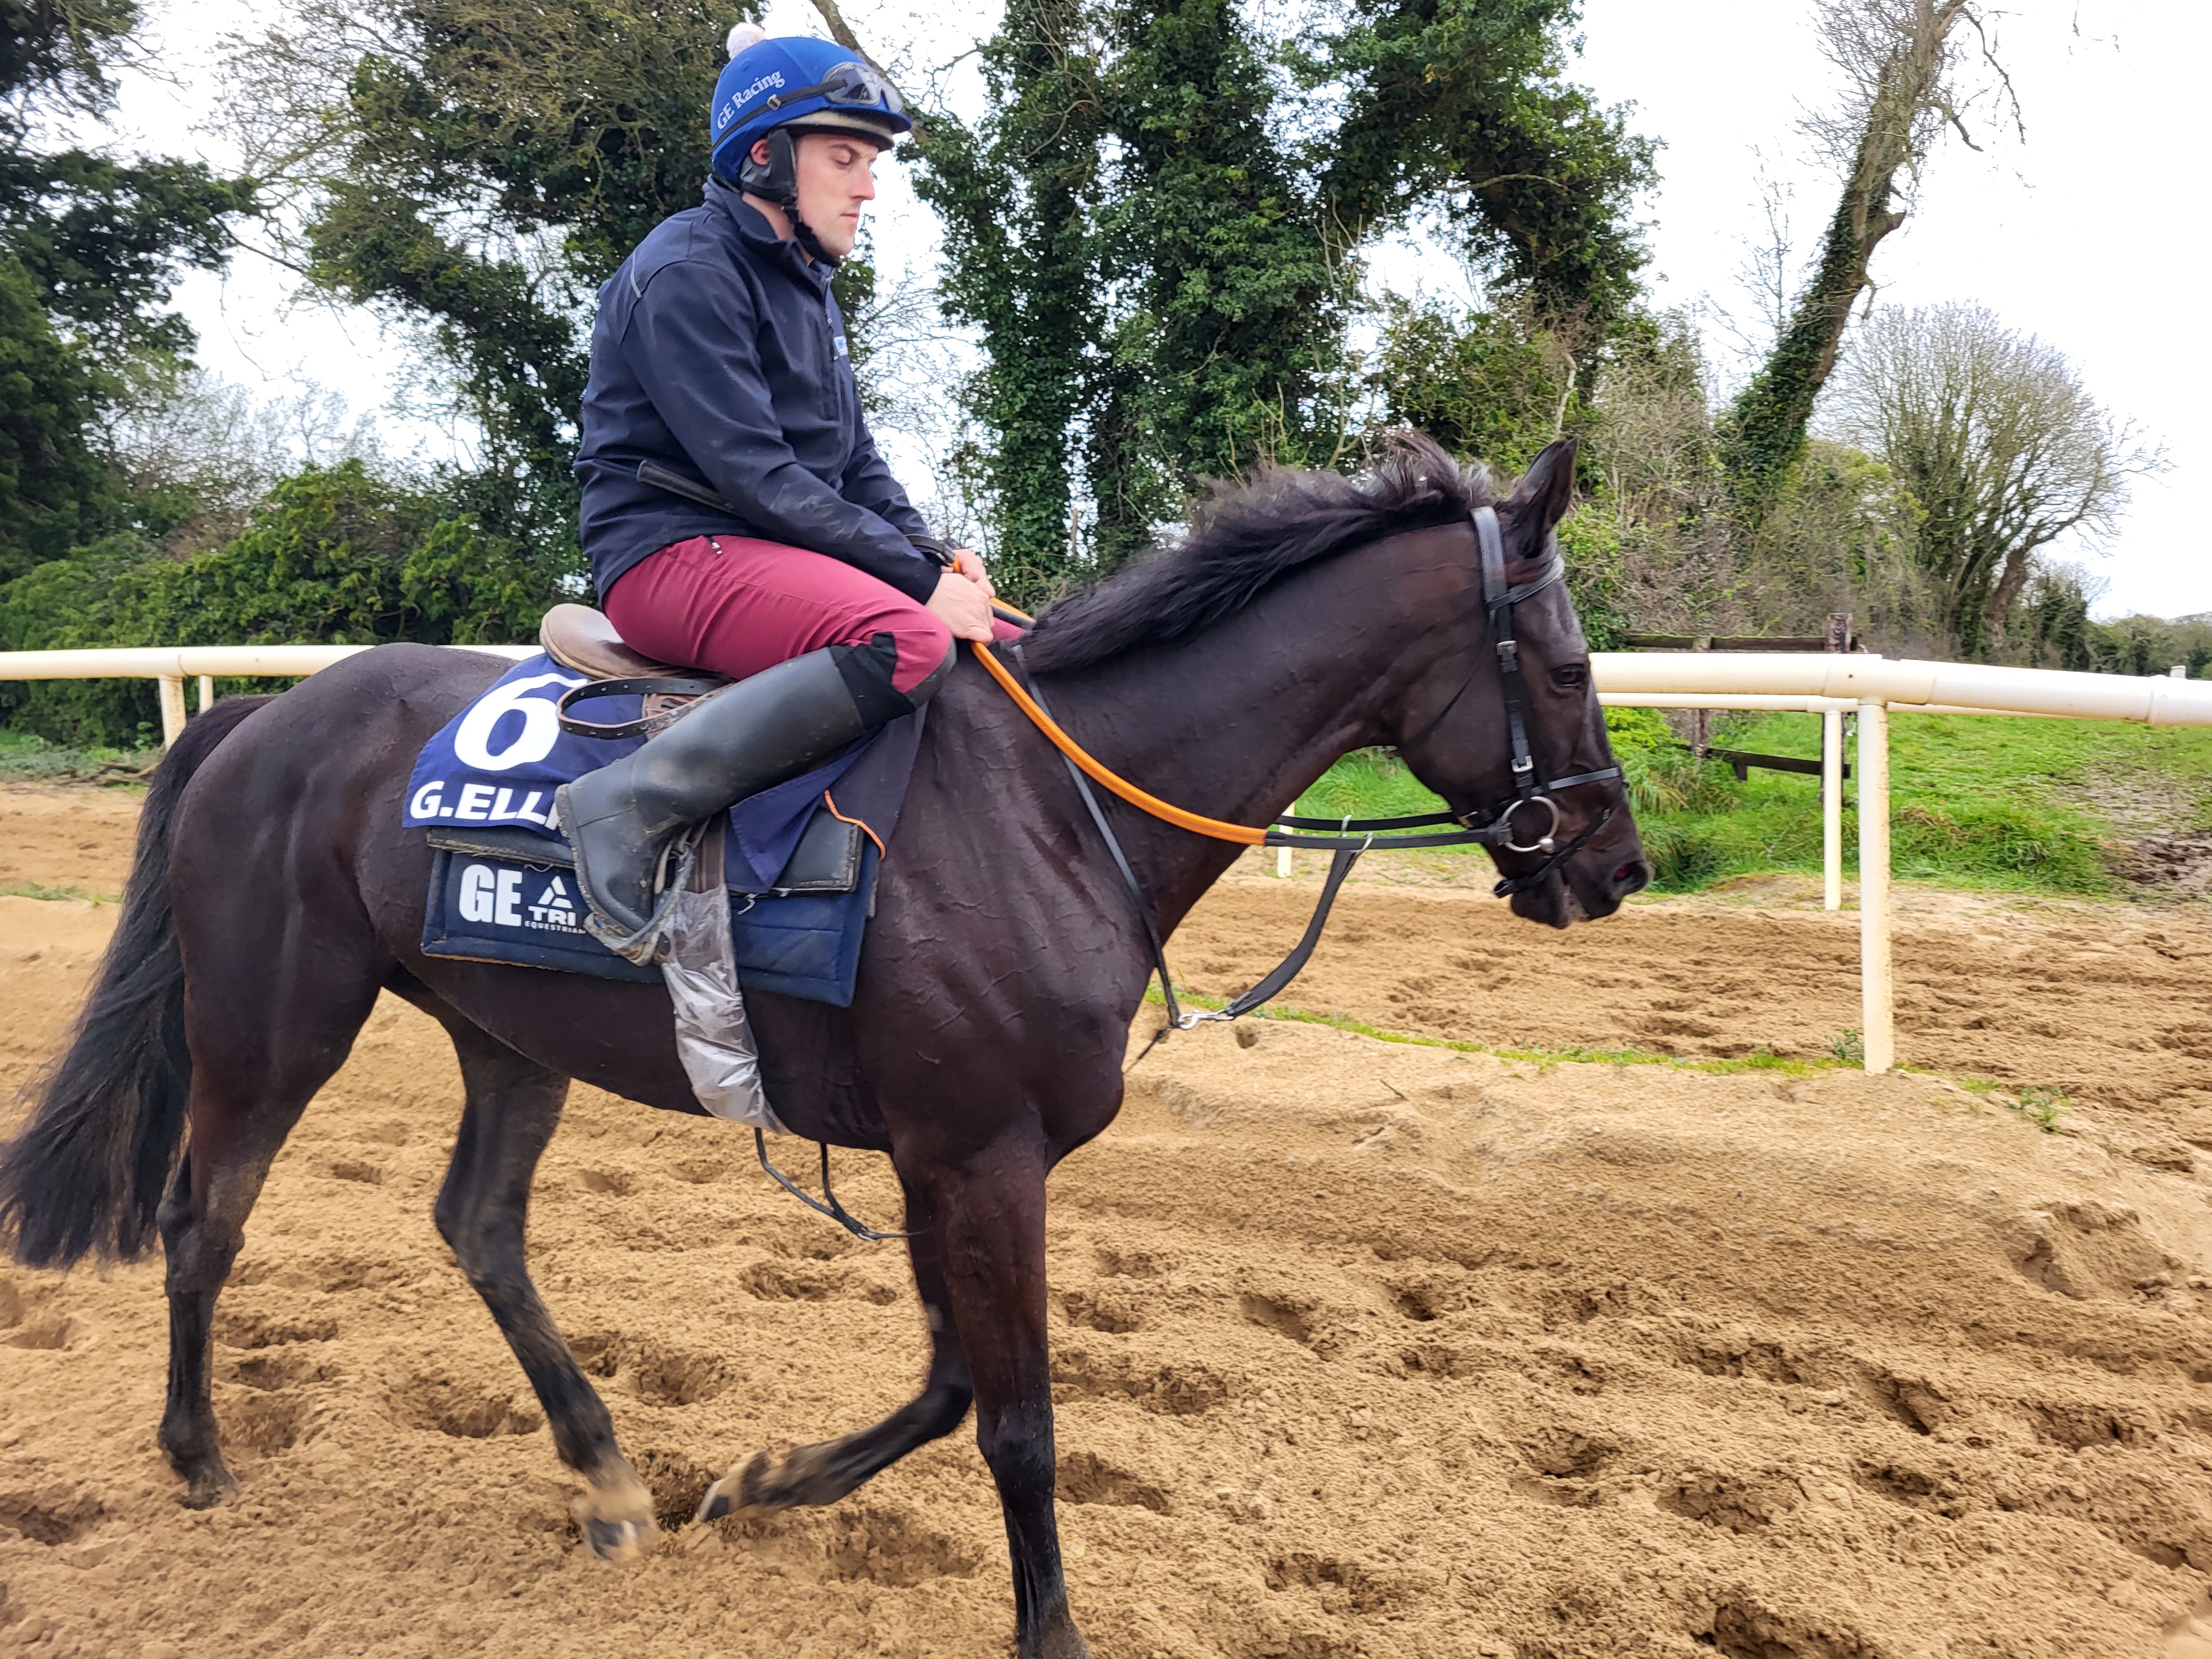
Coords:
pixel 1019 201
pixel 1234 313
pixel 1154 227
pixel 1764 433
pixel 1899 56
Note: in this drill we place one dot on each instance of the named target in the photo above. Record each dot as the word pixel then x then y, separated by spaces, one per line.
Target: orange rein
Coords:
pixel 1098 772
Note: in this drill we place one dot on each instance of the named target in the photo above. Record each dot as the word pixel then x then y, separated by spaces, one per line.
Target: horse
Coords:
pixel 274 895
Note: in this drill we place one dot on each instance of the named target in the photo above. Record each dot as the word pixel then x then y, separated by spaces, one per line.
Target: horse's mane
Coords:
pixel 1243 539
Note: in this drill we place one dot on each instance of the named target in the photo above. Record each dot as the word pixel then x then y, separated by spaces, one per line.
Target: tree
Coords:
pixel 106 240
pixel 52 486
pixel 1494 386
pixel 53 53
pixel 477 170
pixel 2000 446
pixel 1900 64
pixel 1459 109
pixel 1156 226
pixel 335 554
pixel 1019 199
pixel 90 248
pixel 200 453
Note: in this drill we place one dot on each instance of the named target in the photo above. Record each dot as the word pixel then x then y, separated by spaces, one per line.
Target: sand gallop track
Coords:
pixel 1361 1348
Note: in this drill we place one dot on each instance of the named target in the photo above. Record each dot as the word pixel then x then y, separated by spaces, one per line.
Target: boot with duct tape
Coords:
pixel 626 820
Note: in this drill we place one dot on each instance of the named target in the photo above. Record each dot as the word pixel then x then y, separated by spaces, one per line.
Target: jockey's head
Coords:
pixel 799 123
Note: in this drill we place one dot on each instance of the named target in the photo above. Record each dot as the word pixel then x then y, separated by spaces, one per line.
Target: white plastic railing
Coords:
pixel 1834 685
pixel 173 666
pixel 1858 678
pixel 1827 684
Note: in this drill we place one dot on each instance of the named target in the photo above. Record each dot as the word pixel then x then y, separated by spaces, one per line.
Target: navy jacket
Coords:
pixel 720 354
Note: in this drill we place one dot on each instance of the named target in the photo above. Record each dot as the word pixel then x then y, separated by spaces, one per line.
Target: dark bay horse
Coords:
pixel 275 894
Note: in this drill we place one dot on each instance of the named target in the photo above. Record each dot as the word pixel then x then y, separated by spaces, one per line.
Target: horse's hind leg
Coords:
pixel 826 1470
pixel 260 1050
pixel 513 1108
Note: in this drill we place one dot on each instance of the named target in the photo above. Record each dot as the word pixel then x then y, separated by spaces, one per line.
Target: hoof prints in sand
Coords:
pixel 1358 1349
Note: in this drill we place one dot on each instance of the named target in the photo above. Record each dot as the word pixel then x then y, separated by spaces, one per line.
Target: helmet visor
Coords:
pixel 853 85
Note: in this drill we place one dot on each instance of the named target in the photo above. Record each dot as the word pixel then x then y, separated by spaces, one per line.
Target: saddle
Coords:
pixel 582 639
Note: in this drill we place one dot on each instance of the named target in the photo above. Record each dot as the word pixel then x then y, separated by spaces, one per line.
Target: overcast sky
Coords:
pixel 2087 233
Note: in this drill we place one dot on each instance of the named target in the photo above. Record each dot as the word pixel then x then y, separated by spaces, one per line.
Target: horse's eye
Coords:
pixel 1571 676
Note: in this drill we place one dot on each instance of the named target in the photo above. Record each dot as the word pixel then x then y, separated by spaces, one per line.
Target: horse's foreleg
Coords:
pixel 989 1223
pixel 826 1470
pixel 513 1108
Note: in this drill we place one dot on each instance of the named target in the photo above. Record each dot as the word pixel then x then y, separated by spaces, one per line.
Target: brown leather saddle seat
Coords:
pixel 581 639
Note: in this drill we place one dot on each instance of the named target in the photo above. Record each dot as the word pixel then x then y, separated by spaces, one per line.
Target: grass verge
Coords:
pixel 1758 1060
pixel 1975 801
pixel 2040 1105
pixel 38 890
pixel 27 759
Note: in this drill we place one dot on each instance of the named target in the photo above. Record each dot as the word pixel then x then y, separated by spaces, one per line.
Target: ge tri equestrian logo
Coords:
pixel 491 893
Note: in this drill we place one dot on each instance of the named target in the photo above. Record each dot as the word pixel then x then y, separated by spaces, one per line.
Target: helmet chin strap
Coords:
pixel 777 179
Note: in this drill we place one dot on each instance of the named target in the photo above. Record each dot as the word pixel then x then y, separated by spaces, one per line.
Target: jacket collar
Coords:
pixel 753 229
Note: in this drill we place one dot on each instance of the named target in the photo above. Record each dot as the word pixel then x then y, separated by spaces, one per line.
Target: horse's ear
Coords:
pixel 1545 490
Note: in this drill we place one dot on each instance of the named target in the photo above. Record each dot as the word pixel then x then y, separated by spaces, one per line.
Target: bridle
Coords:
pixel 1350 836
pixel 1498 600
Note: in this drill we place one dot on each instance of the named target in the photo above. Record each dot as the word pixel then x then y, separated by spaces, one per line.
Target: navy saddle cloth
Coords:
pixel 802 858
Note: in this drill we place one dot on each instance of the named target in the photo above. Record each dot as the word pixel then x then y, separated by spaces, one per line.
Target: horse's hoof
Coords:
pixel 737 1490
pixel 621 1542
pixel 761 1485
pixel 616 1519
pixel 209 1485
pixel 1064 1641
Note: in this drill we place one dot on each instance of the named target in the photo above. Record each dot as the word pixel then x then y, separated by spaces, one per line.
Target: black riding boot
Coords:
pixel 739 740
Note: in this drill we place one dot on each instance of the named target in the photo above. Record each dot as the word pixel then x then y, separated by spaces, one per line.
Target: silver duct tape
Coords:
pixel 713 1037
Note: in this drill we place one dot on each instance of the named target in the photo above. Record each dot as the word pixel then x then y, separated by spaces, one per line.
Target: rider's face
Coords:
pixel 836 179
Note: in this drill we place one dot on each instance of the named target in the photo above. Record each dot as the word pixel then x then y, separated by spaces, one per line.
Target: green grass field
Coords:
pixel 26 759
pixel 1981 802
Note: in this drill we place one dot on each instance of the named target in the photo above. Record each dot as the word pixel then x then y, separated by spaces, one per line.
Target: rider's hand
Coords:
pixel 965 560
pixel 962 606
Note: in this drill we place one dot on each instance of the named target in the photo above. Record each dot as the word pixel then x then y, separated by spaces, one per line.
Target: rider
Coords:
pixel 720 355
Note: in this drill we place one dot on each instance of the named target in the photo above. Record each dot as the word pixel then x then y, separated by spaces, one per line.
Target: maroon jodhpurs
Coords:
pixel 736 605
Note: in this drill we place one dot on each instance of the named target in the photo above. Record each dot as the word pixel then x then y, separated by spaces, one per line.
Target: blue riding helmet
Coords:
pixel 797 84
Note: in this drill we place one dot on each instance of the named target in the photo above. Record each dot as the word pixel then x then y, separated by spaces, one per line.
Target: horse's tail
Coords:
pixel 86 1171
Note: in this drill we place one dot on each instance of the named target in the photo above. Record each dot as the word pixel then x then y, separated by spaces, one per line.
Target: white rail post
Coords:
pixel 1877 1023
pixel 1832 810
pixel 173 708
pixel 207 692
pixel 1282 863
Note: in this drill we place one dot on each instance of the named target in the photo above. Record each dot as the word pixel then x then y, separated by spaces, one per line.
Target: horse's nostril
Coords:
pixel 1632 876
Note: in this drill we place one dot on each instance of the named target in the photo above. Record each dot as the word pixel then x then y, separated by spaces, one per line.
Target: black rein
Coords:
pixel 1352 838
